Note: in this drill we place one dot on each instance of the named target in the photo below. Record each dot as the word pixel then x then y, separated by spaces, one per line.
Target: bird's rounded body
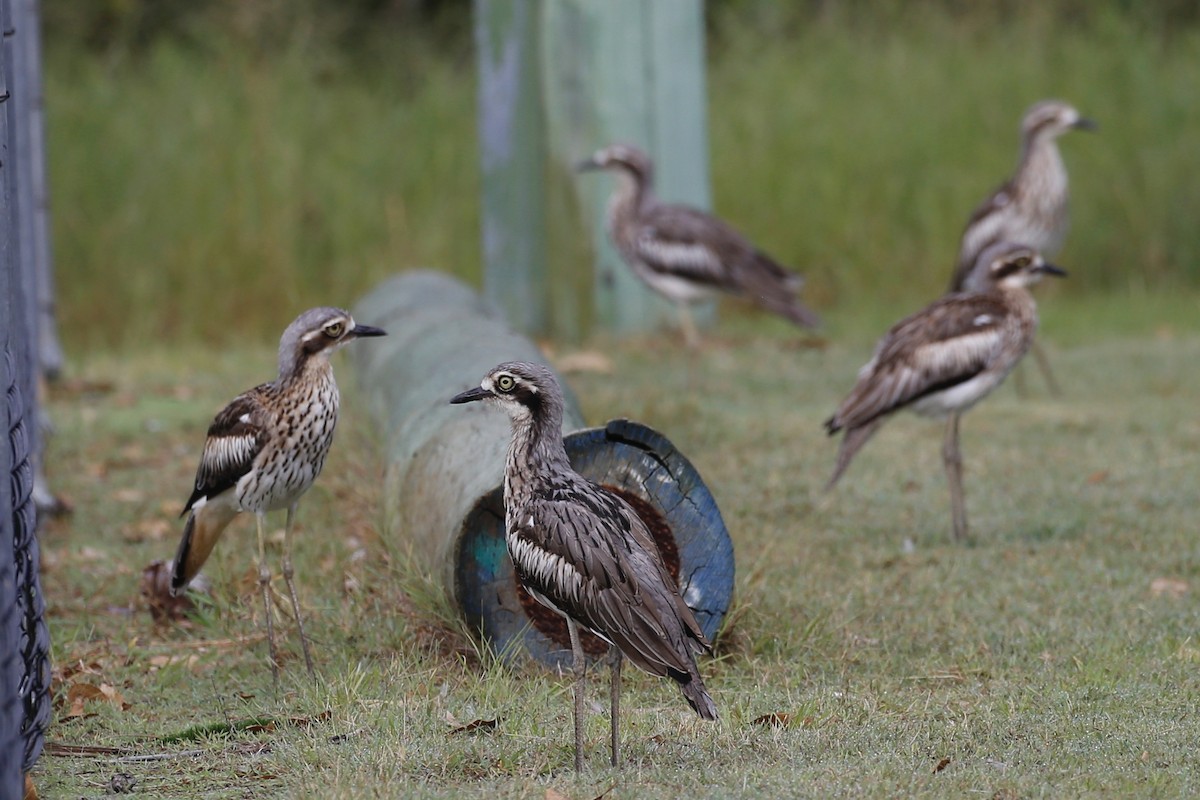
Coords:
pixel 289 465
pixel 581 550
pixel 947 357
pixel 685 254
pixel 265 449
pixel 1032 207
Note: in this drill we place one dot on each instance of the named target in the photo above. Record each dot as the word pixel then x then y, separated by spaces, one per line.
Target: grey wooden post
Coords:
pixel 573 76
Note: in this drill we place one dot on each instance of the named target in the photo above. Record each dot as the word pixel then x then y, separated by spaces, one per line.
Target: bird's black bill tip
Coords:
pixel 470 396
pixel 1051 269
pixel 1085 124
pixel 368 330
pixel 587 165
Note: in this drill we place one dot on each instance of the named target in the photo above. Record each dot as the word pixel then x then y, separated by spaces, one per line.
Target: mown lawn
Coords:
pixel 1055 655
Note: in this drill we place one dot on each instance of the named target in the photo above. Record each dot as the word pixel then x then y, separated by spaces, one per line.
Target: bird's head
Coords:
pixel 523 389
pixel 1052 118
pixel 317 332
pixel 1012 265
pixel 626 157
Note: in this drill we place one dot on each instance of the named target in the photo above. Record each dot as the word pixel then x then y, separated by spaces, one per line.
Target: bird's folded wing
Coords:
pixel 588 561
pixel 681 241
pixel 948 343
pixel 235 438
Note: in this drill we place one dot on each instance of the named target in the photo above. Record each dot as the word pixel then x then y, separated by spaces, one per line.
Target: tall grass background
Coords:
pixel 206 185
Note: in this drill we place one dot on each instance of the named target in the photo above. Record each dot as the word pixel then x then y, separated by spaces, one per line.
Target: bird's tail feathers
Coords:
pixel 698 698
pixel 852 442
pixel 203 528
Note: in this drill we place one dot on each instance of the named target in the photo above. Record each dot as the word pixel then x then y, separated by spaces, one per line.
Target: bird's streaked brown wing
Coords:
pixel 699 247
pixel 985 227
pixel 235 437
pixel 948 343
pixel 588 556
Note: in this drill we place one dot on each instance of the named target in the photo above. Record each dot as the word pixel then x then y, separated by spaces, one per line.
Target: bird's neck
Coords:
pixel 633 193
pixel 314 367
pixel 1041 173
pixel 1020 300
pixel 535 453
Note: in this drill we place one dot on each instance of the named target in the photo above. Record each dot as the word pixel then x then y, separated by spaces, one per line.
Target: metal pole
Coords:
pixel 11 750
pixel 36 192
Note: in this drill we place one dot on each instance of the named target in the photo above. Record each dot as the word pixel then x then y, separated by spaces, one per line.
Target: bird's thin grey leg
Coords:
pixel 264 580
pixel 691 334
pixel 287 576
pixel 580 669
pixel 1039 355
pixel 614 658
pixel 952 458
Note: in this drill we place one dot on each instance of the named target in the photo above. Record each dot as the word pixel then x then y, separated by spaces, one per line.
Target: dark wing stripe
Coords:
pixel 611 585
pixel 949 343
pixel 235 438
pixel 690 259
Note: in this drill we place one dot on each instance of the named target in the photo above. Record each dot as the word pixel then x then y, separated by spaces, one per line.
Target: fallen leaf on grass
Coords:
pixel 1099 476
pixel 779 719
pixel 156 592
pixel 80 693
pixel 476 725
pixel 1172 587
pixel 941 765
pixel 31 792
pixel 552 794
pixel 128 496
pixel 160 661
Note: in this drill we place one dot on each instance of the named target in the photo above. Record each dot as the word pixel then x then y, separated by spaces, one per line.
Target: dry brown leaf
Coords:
pixel 128 495
pixel 779 719
pixel 31 792
pixel 80 693
pixel 941 765
pixel 155 588
pixel 1099 476
pixel 1172 587
pixel 553 794
pixel 477 725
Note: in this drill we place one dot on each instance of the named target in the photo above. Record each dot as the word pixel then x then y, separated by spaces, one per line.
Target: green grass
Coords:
pixel 1039 659
pixel 194 186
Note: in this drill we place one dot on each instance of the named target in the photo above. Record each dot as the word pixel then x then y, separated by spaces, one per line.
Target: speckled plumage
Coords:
pixel 686 254
pixel 264 450
pixel 947 357
pixel 582 550
pixel 1032 206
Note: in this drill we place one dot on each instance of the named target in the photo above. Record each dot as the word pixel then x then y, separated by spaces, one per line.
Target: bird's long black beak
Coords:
pixel 587 165
pixel 1051 269
pixel 471 395
pixel 1085 124
pixel 367 330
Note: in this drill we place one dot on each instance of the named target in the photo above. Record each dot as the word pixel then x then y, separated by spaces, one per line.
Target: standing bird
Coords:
pixel 583 552
pixel 943 360
pixel 265 449
pixel 1031 207
pixel 685 254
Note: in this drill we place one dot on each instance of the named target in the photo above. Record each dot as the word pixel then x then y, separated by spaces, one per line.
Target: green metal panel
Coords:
pixel 608 70
pixel 512 148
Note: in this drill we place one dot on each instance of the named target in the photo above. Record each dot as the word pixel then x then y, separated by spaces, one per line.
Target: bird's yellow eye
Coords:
pixel 334 329
pixel 505 383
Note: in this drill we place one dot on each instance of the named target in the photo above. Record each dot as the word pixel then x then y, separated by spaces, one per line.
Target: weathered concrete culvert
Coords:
pixel 444 493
